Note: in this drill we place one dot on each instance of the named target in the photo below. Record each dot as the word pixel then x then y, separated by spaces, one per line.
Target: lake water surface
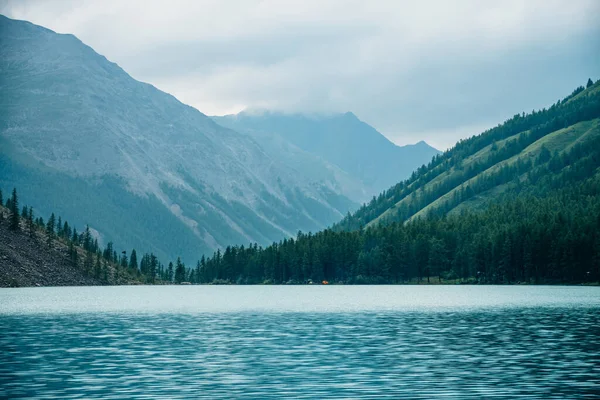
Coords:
pixel 177 342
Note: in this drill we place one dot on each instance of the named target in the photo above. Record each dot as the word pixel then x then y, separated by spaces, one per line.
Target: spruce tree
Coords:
pixel 30 224
pixel 170 272
pixel 88 262
pixel 14 211
pixel 98 267
pixel 87 238
pixel 124 262
pixel 590 82
pixel 73 253
pixel 105 271
pixel 66 230
pixel 153 269
pixel 59 227
pixel 179 271
pixel 133 263
pixel 50 225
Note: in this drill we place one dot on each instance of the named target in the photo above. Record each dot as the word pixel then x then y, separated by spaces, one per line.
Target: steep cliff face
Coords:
pixel 81 137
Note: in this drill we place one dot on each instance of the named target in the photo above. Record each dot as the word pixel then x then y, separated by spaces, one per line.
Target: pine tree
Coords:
pixel 98 267
pixel 50 226
pixel 14 211
pixel 59 227
pixel 133 263
pixel 170 272
pixel 590 82
pixel 88 262
pixel 179 271
pixel 124 262
pixel 66 230
pixel 154 266
pixel 73 253
pixel 87 238
pixel 30 224
pixel 105 271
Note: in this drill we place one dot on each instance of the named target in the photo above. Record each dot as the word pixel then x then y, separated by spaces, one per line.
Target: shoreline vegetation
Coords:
pixel 37 253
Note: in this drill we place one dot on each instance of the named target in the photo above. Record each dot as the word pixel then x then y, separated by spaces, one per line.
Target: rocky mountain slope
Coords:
pixel 79 136
pixel 364 160
pixel 29 259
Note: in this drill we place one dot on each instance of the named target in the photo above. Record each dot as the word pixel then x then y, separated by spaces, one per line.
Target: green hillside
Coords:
pixel 477 170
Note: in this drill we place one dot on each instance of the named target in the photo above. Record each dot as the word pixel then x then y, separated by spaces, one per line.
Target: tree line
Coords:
pixel 533 238
pixel 106 264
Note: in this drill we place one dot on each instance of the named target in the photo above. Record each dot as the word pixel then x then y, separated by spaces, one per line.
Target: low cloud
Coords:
pixel 426 70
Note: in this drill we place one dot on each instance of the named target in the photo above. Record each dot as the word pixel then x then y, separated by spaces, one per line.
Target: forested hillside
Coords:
pixel 499 160
pixel 518 203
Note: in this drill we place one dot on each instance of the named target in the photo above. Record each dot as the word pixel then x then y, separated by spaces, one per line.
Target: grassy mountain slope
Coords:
pixel 480 169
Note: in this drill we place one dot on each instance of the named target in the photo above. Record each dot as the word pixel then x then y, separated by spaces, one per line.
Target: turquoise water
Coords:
pixel 300 342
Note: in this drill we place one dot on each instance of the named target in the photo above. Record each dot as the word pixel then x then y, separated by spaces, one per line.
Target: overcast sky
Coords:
pixel 424 70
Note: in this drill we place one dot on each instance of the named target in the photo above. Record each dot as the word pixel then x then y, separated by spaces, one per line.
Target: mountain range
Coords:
pixel 371 162
pixel 80 137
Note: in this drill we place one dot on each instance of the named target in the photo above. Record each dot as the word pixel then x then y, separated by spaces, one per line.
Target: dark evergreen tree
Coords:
pixel 133 262
pixel 88 263
pixel 590 83
pixel 59 227
pixel 30 223
pixel 50 226
pixel 169 276
pixel 14 211
pixel 98 267
pixel 124 263
pixel 86 239
pixel 179 271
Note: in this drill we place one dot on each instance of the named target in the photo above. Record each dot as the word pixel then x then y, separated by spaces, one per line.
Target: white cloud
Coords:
pixel 415 70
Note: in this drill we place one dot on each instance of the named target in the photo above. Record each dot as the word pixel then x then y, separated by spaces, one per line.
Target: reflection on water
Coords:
pixel 461 352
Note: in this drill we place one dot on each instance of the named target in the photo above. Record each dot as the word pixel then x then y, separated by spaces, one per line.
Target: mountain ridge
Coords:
pixel 341 140
pixel 77 123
